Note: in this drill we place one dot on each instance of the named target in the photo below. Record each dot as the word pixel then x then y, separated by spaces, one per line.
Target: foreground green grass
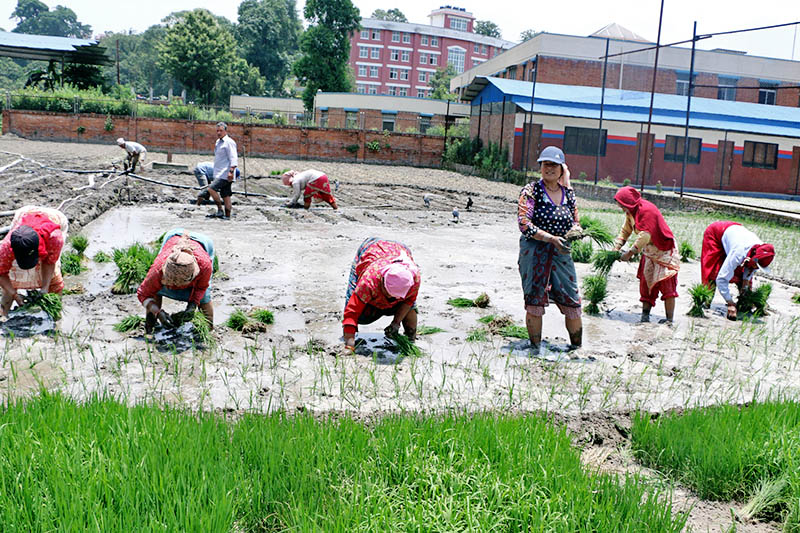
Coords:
pixel 731 453
pixel 102 466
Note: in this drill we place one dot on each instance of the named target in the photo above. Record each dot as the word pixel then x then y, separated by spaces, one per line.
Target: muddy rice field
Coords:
pixel 296 262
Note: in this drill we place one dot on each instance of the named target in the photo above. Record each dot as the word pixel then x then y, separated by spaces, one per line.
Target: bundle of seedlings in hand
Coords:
pixel 202 329
pixel 71 263
pixel 594 290
pixel 592 228
pixel 129 323
pixel 133 263
pixel 686 251
pixel 603 260
pixel 79 243
pixel 581 251
pixel 754 301
pixel 50 303
pixel 407 348
pixel 701 295
pixel 481 301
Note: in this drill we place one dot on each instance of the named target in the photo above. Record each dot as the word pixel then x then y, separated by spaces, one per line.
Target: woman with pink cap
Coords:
pixel 312 184
pixel 384 281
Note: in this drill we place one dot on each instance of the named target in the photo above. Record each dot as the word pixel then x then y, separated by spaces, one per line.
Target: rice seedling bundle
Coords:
pixel 133 263
pixel 796 298
pixel 594 290
pixel 596 231
pixel 754 301
pixel 701 299
pixel 79 243
pixel 101 257
pixel 215 265
pixel 603 260
pixel 264 316
pixel 461 302
pixel 482 300
pixel 581 251
pixel 202 329
pixel 428 330
pixel 513 330
pixel 686 251
pixel 129 323
pixel 477 335
pixel 71 263
pixel 238 320
pixel 407 348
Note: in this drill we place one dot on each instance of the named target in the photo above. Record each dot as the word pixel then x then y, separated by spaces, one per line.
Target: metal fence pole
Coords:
pixel 688 109
pixel 648 161
pixel 533 94
pixel 600 126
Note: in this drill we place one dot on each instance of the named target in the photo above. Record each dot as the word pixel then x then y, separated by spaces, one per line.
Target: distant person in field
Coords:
pixel 204 173
pixel 731 254
pixel 181 271
pixel 135 153
pixel 384 281
pixel 312 185
pixel 225 162
pixel 660 262
pixel 30 253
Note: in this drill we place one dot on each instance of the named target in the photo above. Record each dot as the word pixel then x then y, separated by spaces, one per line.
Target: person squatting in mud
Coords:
pixel 546 211
pixel 312 184
pixel 384 281
pixel 660 261
pixel 30 254
pixel 204 174
pixel 135 153
pixel 181 271
pixel 731 254
pixel 225 162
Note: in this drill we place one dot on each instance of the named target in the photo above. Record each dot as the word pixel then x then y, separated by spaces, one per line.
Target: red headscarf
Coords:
pixel 763 254
pixel 646 217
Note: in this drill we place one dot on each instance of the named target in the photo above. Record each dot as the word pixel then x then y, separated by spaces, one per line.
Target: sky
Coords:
pixel 572 17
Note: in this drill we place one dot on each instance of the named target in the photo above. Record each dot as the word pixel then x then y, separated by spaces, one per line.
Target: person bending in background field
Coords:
pixel 312 184
pixel 226 160
pixel 30 253
pixel 731 254
pixel 135 153
pixel 384 281
pixel 181 271
pixel 660 262
pixel 204 173
pixel 545 213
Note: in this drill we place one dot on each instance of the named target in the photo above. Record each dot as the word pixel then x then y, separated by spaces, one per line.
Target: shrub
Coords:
pixel 686 251
pixel 581 251
pixel 109 124
pixel 374 146
pixel 352 148
pixel 80 129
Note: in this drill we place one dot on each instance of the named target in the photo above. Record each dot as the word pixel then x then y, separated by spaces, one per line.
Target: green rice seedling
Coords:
pixel 71 263
pixel 686 251
pixel 771 493
pixel 49 302
pixel 596 231
pixel 264 316
pixel 594 290
pixel 215 265
pixel 477 335
pixel 754 301
pixel 159 241
pixel 796 297
pixel 428 330
pixel 603 260
pixel 513 330
pixel 202 329
pixel 129 323
pixel 581 251
pixel 461 302
pixel 407 348
pixel 101 257
pixel 74 289
pixel 482 301
pixel 238 320
pixel 701 299
pixel 133 263
pixel 79 243
pixel 486 319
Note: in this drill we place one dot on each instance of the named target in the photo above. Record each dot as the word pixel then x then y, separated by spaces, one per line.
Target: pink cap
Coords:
pixel 398 279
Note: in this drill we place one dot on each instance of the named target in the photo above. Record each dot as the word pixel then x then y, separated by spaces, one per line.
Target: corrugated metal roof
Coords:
pixel 46 47
pixel 633 106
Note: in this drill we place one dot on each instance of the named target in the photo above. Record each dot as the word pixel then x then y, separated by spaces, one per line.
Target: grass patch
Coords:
pixel 754 301
pixel 581 251
pixel 79 243
pixel 594 290
pixel 687 251
pixel 428 330
pixel 481 301
pixel 71 263
pixel 129 323
pixel 701 299
pixel 50 303
pixel 603 260
pixel 730 453
pixel 102 465
pixel 101 257
pixel 133 263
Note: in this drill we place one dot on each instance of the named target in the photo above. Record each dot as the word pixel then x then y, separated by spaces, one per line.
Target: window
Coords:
pixel 423 59
pixel 494 52
pixel 475 48
pixel 406 37
pixel 362 70
pixel 483 49
pixel 458 24
pixel 351 119
pixel 376 53
pixel 365 34
pixel 511 73
pixel 395 55
pixel 726 89
pixel 373 72
pixel 387 122
pixel 376 35
pixel 583 141
pixel 402 91
pixel 323 118
pixel 424 40
pixel 420 93
pixel 455 57
pixel 363 51
pixel 424 123
pixel 682 84
pixel 361 89
pixel 760 155
pixel 434 59
pixel 404 74
pixel 767 93
pixel 423 77
pixel 391 91
pixel 405 56
pixel 395 36
pixel 434 41
pixel 673 149
pixel 392 73
pixel 373 89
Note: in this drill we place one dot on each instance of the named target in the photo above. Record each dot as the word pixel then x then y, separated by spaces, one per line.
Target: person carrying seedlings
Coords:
pixel 204 174
pixel 135 153
pixel 384 281
pixel 312 184
pixel 731 254
pixel 660 262
pixel 30 254
pixel 181 271
pixel 545 213
pixel 225 162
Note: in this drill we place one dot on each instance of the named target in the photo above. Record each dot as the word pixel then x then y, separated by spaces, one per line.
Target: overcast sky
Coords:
pixel 573 17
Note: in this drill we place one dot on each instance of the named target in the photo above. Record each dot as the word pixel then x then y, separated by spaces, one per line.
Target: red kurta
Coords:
pixel 51 240
pixel 152 283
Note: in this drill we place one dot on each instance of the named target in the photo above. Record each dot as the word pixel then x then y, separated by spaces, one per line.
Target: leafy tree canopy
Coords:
pixel 488 28
pixel 440 82
pixel 527 35
pixel 34 17
pixel 394 14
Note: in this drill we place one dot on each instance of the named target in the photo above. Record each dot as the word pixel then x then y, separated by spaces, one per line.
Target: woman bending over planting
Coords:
pixel 546 212
pixel 312 184
pixel 731 254
pixel 384 281
pixel 30 253
pixel 660 262
pixel 181 271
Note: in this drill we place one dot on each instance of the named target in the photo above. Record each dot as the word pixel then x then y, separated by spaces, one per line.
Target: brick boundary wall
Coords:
pixel 187 136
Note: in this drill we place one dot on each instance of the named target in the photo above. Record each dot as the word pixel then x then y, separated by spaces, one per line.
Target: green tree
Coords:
pixel 12 75
pixel 325 47
pixel 34 17
pixel 394 14
pixel 268 34
pixel 440 82
pixel 240 78
pixel 197 52
pixel 488 28
pixel 527 35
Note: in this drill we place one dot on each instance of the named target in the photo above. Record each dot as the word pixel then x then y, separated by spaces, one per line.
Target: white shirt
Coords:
pixel 134 148
pixel 737 241
pixel 300 180
pixel 225 157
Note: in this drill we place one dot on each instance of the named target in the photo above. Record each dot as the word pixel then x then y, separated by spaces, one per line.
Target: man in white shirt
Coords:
pixel 225 163
pixel 135 151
